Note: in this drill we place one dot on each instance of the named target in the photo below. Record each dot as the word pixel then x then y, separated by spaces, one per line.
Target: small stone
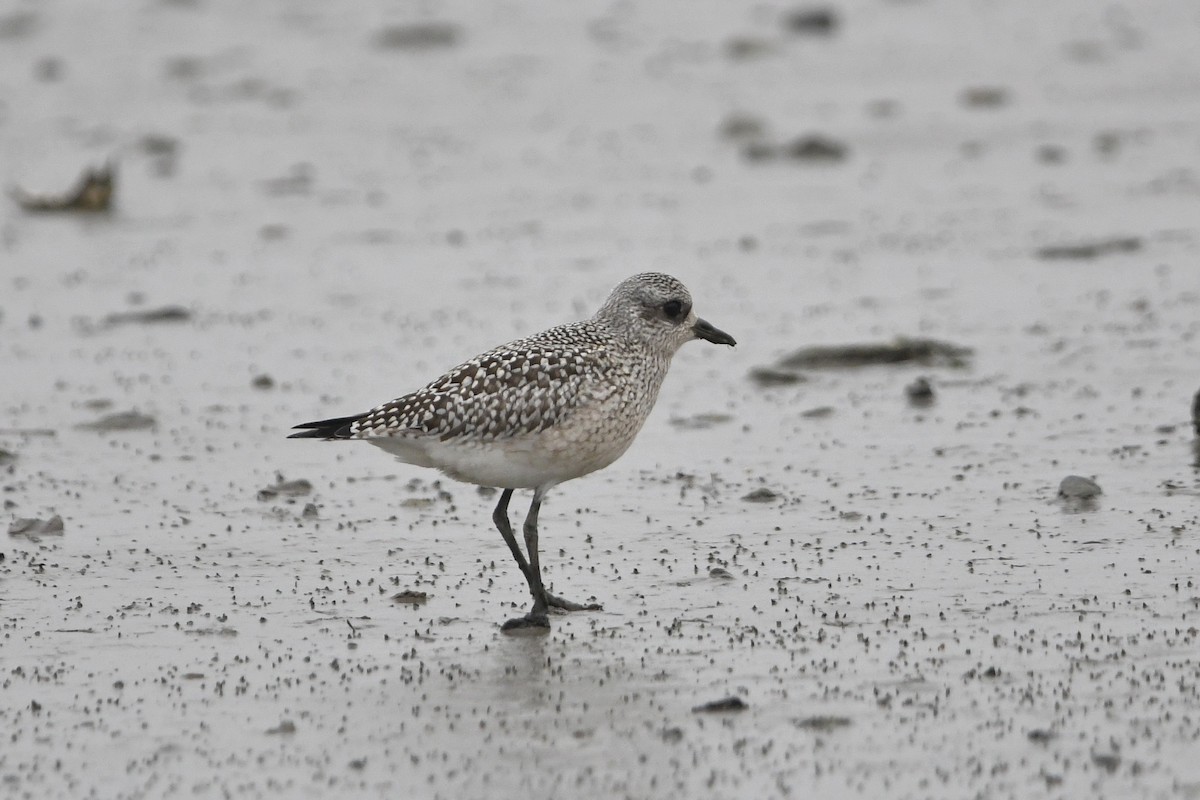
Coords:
pixel 1078 487
pixel 410 597
pixel 263 382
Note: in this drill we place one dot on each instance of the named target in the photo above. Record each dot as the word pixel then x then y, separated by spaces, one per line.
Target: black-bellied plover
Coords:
pixel 533 413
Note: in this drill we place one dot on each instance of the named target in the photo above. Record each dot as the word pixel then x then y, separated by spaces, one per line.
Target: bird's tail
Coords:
pixel 337 428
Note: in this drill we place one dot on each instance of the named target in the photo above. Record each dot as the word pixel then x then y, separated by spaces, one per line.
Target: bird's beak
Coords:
pixel 706 331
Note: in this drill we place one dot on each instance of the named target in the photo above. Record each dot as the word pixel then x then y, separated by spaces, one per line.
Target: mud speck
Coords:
pixel 985 97
pixel 920 392
pixel 418 36
pixel 815 21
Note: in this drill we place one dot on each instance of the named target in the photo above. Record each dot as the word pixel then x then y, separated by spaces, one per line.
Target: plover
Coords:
pixel 539 411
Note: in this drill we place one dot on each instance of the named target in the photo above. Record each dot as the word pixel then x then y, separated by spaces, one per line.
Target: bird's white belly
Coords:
pixel 540 460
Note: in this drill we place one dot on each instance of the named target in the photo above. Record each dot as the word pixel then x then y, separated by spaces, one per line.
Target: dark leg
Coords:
pixel 533 577
pixel 531 568
pixel 531 544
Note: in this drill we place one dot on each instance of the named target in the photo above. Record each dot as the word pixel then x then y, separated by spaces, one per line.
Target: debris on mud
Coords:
pixel 737 127
pixel 298 181
pixel 92 195
pixel 815 21
pixel 1090 250
pixel 720 574
pixel 310 511
pixel 263 382
pixel 762 495
pixel 7 457
pixel 815 148
pixel 149 316
pixel 927 352
pixel 822 724
pixel 163 152
pixel 820 412
pixel 285 488
pixel 700 422
pixel 759 151
pixel 984 97
pixel 1076 487
pixel 418 36
pixel 285 727
pixel 920 392
pixel 410 597
pixel 742 48
pixel 769 376
pixel 1196 413
pixel 120 421
pixel 720 706
pixel 33 528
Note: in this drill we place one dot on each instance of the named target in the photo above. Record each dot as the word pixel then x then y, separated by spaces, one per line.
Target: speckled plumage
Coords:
pixel 541 410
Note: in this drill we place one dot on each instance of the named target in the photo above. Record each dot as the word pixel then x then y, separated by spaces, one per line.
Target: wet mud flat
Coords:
pixel 858 576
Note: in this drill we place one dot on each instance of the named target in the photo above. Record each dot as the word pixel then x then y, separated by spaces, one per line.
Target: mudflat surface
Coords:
pixel 321 206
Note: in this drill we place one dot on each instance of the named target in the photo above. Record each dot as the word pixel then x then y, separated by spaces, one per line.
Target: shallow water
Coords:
pixel 349 209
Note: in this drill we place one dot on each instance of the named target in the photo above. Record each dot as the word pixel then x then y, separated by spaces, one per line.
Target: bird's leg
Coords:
pixel 540 602
pixel 533 577
pixel 531 544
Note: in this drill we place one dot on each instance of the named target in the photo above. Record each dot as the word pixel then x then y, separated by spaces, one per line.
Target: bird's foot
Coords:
pixel 533 622
pixel 566 605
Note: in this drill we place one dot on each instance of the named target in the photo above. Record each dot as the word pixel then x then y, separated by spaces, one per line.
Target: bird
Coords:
pixel 539 411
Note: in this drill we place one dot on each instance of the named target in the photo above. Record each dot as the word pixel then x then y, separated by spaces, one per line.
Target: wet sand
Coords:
pixel 333 204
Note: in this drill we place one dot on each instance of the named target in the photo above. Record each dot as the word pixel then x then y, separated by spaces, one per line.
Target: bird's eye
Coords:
pixel 672 308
